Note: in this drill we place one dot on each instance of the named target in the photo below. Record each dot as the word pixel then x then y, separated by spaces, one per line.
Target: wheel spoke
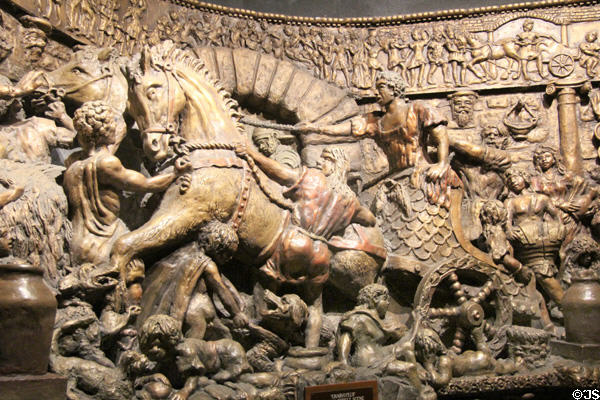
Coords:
pixel 444 312
pixel 459 338
pixel 489 329
pixel 457 288
pixel 484 292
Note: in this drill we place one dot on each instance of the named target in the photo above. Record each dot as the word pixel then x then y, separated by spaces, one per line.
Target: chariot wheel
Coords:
pixel 461 297
pixel 561 65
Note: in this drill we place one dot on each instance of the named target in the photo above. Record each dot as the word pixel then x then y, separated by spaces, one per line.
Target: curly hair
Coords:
pixel 541 149
pixel 370 292
pixel 218 240
pixel 394 80
pixel 582 252
pixel 493 125
pixel 159 325
pixel 514 171
pixel 96 123
pixel 493 213
pixel 428 344
pixel 339 157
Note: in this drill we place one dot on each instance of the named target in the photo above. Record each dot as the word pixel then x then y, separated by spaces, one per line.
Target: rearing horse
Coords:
pixel 173 98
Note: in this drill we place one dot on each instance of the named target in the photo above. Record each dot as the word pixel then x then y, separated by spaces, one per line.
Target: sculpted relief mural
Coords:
pixel 213 203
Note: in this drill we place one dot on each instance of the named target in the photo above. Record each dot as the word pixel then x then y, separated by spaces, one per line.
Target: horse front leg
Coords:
pixel 160 231
pixel 471 67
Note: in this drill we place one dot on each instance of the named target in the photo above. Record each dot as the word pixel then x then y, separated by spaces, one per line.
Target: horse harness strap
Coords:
pixel 107 89
pixel 243 199
pixel 171 98
pixel 185 149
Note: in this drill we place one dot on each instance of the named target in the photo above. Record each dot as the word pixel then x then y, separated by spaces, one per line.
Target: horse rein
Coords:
pixel 183 149
pixel 61 92
pixel 107 89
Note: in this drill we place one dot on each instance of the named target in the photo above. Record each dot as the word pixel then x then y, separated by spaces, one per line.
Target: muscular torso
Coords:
pixel 94 209
pixel 400 133
pixel 368 339
pixel 525 206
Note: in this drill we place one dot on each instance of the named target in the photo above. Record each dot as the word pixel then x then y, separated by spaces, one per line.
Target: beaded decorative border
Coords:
pixel 379 21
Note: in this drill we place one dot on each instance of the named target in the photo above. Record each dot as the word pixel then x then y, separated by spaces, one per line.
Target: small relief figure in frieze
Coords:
pixel 529 42
pixel 436 56
pixel 456 46
pixel 81 17
pixel 590 54
pixel 395 44
pixel 340 61
pixel 373 48
pixel 417 62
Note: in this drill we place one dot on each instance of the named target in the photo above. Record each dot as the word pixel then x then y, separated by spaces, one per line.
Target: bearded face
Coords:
pixel 494 137
pixel 462 110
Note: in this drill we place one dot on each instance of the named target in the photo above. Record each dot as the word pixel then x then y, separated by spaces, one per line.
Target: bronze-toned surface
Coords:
pixel 27 308
pixel 31 387
pixel 228 204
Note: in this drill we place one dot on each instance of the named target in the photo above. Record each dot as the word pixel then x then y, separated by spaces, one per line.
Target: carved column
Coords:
pixel 567 94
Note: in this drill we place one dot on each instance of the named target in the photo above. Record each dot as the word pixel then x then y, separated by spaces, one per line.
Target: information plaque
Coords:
pixel 364 390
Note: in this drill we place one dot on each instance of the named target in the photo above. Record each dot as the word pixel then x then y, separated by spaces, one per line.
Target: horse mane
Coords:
pixel 166 54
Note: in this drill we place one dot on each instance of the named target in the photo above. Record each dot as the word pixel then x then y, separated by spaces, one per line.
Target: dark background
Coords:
pixel 354 8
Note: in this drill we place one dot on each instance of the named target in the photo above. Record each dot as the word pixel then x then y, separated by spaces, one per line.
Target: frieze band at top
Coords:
pixel 253 203
pixel 380 20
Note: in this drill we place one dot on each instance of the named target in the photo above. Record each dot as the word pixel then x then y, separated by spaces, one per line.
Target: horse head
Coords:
pixel 172 94
pixel 92 74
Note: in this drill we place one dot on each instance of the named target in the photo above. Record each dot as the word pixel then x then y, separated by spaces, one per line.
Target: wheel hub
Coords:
pixel 471 314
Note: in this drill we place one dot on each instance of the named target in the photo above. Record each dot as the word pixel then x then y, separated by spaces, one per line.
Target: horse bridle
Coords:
pixel 170 127
pixel 108 73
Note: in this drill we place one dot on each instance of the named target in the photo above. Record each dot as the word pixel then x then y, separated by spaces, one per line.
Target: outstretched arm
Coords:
pixel 357 126
pixel 274 170
pixel 30 81
pixel 112 172
pixel 440 138
pixel 467 148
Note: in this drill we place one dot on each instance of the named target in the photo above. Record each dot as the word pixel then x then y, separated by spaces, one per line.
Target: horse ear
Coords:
pixel 145 59
pixel 126 71
pixel 104 54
